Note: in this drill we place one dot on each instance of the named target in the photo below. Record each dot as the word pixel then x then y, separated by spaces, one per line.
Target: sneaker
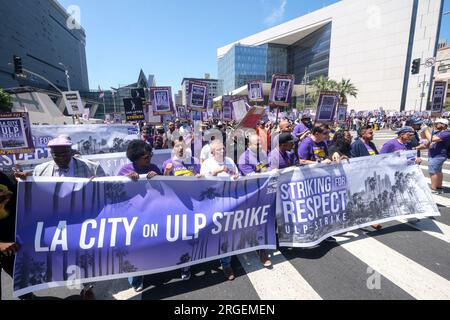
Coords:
pixel 229 273
pixel 435 192
pixel 139 288
pixel 185 274
pixel 264 258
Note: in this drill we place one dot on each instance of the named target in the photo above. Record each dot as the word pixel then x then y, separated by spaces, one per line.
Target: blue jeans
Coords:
pixel 226 262
pixel 435 164
pixel 136 282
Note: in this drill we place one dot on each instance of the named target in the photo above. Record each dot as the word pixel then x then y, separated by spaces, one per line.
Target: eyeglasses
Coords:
pixel 148 156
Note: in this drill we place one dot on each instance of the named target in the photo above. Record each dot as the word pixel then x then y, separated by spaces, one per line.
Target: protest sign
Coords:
pixel 134 110
pixel 282 88
pixel 327 104
pixel 15 133
pixel 73 102
pixel 161 100
pixel 341 114
pixel 439 96
pixel 317 202
pixel 182 113
pixel 255 91
pixel 197 96
pixel 125 228
pixel 239 107
pixel 252 118
pixel 227 108
pixel 138 93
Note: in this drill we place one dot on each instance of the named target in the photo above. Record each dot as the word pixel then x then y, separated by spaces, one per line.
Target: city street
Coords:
pixel 405 260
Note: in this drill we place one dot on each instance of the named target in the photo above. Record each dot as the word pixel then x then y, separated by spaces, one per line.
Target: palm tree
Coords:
pixel 346 89
pixel 322 84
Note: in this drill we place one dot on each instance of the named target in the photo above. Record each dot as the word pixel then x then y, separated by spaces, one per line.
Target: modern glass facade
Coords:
pixel 242 64
pixel 312 52
pixel 37 32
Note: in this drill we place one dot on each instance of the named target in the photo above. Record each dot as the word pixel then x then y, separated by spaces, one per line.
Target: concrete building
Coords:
pixel 38 32
pixel 443 67
pixel 215 87
pixel 178 98
pixel 371 42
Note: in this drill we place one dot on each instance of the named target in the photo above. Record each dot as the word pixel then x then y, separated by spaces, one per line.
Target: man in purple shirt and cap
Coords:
pixel 405 135
pixel 282 156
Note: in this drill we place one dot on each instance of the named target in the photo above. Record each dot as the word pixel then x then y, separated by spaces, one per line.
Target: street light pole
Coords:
pixel 67 75
pixel 422 95
pixel 305 80
pixel 114 99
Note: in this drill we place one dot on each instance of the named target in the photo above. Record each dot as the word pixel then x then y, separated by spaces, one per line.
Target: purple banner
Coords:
pixel 73 230
pixel 227 108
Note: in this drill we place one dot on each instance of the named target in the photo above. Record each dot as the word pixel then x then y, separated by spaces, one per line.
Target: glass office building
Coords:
pixel 246 63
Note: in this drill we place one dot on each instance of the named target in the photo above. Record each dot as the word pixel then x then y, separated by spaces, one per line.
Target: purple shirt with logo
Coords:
pixel 250 163
pixel 299 130
pixel 440 148
pixel 185 168
pixel 310 150
pixel 128 168
pixel 393 146
pixel 281 160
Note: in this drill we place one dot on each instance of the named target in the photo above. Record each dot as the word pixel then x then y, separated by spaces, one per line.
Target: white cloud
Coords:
pixel 277 14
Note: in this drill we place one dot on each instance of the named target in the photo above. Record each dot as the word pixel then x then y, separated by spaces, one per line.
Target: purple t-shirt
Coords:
pixel 392 146
pixel 281 160
pixel 299 129
pixel 128 168
pixel 249 163
pixel 440 149
pixel 188 168
pixel 310 150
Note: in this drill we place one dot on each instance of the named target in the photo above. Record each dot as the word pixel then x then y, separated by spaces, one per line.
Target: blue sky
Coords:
pixel 173 39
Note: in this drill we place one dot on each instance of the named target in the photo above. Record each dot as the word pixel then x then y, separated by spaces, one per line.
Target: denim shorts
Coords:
pixel 435 164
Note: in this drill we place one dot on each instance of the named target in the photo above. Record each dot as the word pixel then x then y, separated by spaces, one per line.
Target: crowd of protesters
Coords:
pixel 219 149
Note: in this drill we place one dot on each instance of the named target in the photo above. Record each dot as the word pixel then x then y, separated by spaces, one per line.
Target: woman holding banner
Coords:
pixel 140 154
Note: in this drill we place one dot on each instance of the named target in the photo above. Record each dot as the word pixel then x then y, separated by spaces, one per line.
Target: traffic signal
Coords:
pixel 415 66
pixel 18 65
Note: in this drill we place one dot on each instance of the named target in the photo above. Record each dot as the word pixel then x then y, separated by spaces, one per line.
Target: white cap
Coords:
pixel 442 121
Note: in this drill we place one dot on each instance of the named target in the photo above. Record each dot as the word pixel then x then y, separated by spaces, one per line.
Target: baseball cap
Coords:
pixel 61 141
pixel 405 130
pixel 285 137
pixel 442 121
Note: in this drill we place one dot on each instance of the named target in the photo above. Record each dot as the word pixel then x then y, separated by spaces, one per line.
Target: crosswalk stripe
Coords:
pixel 410 276
pixel 443 201
pixel 431 227
pixel 283 282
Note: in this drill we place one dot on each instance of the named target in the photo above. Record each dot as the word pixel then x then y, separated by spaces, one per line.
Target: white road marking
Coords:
pixel 283 282
pixel 431 227
pixel 412 277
